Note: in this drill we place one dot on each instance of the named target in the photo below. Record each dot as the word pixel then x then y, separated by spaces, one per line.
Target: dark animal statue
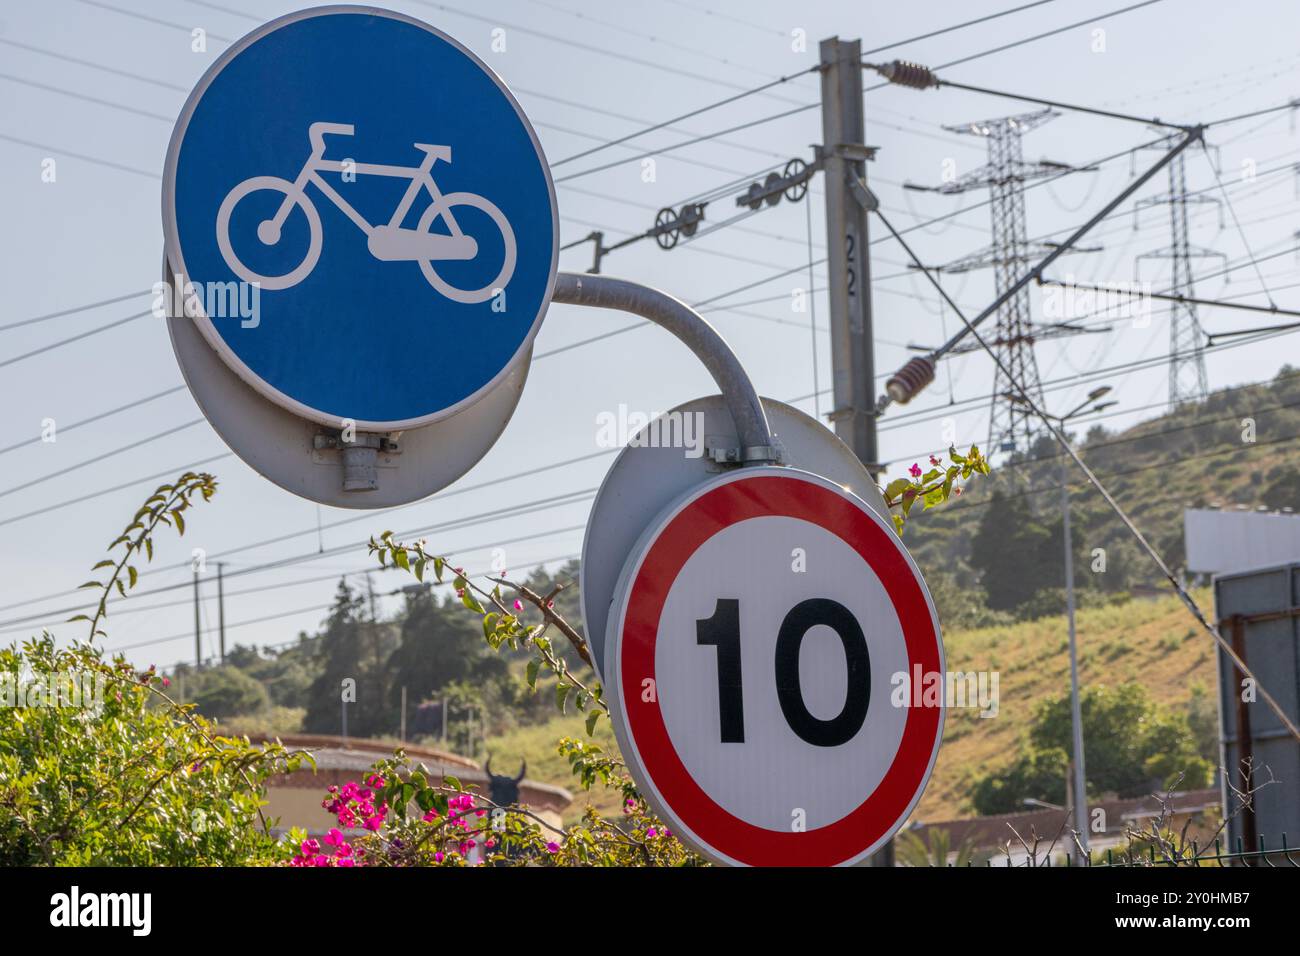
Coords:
pixel 502 790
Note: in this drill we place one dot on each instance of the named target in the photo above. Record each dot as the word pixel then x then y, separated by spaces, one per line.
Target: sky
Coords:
pixel 95 85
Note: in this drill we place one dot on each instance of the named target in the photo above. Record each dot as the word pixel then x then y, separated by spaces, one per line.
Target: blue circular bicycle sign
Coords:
pixel 360 218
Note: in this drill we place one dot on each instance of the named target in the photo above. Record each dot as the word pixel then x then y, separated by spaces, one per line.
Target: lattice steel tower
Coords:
pixel 1187 381
pixel 1011 255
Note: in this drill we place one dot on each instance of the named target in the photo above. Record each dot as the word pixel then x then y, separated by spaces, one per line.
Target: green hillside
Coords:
pixel 1202 455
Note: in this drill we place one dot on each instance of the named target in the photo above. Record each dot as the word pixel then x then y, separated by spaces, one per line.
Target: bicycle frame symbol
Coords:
pixel 390 242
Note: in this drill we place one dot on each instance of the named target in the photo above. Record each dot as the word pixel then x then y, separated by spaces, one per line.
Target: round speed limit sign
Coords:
pixel 757 637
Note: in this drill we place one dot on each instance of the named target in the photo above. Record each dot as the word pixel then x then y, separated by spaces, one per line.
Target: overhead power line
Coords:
pixel 1057 435
pixel 800 109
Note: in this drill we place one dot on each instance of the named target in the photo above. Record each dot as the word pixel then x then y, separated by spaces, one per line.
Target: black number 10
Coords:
pixel 722 631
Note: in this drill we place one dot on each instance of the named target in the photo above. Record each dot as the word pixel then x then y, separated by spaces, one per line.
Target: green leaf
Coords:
pixel 453 782
pixel 530 672
pixel 468 599
pixel 401 560
pixel 591 722
pixel 180 520
pixel 90 584
pixel 132 574
pixel 561 695
pixel 438 565
pixel 935 496
pixel 79 617
pixel 419 569
pixel 896 488
pixel 106 563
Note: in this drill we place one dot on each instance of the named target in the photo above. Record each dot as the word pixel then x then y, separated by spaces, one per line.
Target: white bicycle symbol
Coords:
pixel 388 243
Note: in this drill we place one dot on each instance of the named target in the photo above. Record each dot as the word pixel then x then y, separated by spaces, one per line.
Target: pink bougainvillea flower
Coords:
pixel 552 847
pixel 934 461
pixel 438 857
pixel 376 781
pixel 651 833
pixel 915 470
pixel 519 605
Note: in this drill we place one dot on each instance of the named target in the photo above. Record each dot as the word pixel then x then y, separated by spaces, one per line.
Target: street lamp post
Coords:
pixel 1076 718
pixel 1080 801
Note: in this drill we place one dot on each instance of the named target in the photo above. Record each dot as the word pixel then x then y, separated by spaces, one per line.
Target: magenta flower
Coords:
pixel 915 470
pixel 552 847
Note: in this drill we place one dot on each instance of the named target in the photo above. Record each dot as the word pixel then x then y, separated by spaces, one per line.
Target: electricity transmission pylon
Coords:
pixel 1011 254
pixel 1187 380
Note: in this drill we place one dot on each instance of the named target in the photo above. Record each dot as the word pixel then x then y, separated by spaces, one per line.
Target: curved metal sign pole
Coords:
pixel 757 446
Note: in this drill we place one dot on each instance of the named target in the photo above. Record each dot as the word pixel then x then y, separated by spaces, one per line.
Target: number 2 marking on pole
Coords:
pixel 722 631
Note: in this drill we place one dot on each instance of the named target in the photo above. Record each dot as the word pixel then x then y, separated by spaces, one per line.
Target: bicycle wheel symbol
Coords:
pixel 269 232
pixel 443 208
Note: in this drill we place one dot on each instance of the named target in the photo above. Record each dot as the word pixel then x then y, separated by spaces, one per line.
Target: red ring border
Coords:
pixel 696 522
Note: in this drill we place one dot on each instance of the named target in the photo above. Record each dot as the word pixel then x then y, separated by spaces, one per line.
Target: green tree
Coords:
pixel 1131 746
pixel 225 692
pixel 353 651
pixel 439 645
pixel 286 673
pixel 1011 552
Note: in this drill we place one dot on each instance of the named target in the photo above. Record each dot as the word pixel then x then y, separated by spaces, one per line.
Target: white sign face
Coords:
pixel 752 658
